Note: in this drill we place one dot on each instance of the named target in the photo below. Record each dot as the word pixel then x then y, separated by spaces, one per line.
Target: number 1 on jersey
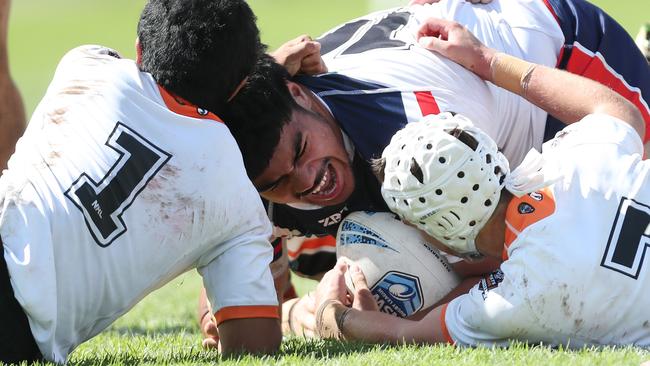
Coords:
pixel 103 203
pixel 629 238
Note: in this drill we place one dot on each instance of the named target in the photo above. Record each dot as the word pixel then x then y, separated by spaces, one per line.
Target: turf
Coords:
pixel 162 328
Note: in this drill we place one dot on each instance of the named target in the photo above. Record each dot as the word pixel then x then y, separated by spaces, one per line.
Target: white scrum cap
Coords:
pixel 445 176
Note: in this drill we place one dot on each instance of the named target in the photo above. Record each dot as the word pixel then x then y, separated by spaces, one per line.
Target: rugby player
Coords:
pixel 570 223
pixel 126 178
pixel 311 159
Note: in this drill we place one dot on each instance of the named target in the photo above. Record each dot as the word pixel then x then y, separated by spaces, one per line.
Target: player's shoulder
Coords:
pixel 90 53
pixel 91 67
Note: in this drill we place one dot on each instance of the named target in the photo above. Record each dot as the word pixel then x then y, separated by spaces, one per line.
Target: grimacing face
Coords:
pixel 310 164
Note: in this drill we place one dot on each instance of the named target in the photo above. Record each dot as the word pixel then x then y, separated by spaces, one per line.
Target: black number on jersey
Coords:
pixel 359 36
pixel 629 238
pixel 103 203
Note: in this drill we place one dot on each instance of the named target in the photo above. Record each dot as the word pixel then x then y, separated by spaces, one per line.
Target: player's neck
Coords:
pixel 492 236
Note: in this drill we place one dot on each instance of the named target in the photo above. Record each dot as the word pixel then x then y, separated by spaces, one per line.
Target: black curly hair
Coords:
pixel 199 50
pixel 259 112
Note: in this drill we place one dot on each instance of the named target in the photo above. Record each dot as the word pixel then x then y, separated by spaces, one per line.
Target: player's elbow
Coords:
pixel 265 347
pixel 635 119
pixel 625 111
pixel 250 336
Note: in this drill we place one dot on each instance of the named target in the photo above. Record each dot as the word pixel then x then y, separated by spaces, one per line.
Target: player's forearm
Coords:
pixel 566 96
pixel 338 321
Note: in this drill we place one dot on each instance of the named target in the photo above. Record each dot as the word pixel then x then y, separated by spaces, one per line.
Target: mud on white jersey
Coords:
pixel 117 187
pixel 575 270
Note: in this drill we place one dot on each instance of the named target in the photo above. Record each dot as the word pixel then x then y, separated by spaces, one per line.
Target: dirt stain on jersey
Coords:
pixel 566 308
pixel 75 90
pixel 53 155
pixel 578 323
pixel 646 324
pixel 171 204
pixel 57 115
pixel 169 171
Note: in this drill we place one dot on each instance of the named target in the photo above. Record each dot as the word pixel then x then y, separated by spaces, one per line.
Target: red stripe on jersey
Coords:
pixel 246 312
pixel 584 63
pixel 525 211
pixel 427 103
pixel 313 243
pixel 277 246
pixel 557 19
pixel 550 8
pixel 181 106
pixel 443 325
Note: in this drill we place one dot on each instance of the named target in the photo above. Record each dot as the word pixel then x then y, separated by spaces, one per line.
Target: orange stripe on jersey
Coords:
pixel 180 106
pixel 427 103
pixel 313 243
pixel 246 312
pixel 443 325
pixel 525 211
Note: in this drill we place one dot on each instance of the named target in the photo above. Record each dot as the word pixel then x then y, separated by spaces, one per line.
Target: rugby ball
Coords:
pixel 404 272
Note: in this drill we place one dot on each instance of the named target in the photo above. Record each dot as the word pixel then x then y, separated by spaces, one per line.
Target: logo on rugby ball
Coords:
pixel 355 233
pixel 398 293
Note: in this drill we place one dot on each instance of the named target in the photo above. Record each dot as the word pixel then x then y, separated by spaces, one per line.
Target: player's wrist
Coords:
pixel 330 319
pixel 510 73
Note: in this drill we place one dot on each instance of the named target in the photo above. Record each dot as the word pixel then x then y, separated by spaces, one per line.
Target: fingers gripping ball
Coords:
pixel 445 176
pixel 404 273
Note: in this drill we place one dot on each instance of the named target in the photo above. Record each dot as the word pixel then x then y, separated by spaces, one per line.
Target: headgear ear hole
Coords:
pixel 416 171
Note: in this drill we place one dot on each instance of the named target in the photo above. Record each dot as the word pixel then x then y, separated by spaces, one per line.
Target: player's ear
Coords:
pixel 299 95
pixel 138 51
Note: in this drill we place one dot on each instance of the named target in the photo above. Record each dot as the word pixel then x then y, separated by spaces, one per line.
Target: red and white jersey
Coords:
pixel 116 188
pixel 382 48
pixel 575 270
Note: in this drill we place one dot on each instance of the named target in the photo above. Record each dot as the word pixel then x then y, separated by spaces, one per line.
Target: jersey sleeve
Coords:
pixel 492 313
pixel 239 283
pixel 594 130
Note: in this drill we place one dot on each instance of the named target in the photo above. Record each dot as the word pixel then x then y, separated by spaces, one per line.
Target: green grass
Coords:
pixel 162 328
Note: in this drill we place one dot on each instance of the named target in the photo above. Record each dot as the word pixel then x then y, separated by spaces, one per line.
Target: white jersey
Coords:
pixel 575 270
pixel 116 188
pixel 382 48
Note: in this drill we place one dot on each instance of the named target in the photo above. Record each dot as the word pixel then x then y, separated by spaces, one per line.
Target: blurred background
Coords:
pixel 41 31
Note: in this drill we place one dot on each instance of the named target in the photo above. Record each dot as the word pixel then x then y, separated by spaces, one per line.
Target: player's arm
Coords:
pixel 363 321
pixel 566 96
pixel 297 313
pixel 208 323
pixel 249 335
pixel 239 287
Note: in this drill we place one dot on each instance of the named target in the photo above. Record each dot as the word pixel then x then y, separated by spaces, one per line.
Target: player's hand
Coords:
pixel 454 41
pixel 301 55
pixel 363 299
pixel 332 285
pixel 415 2
pixel 210 333
pixel 301 319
